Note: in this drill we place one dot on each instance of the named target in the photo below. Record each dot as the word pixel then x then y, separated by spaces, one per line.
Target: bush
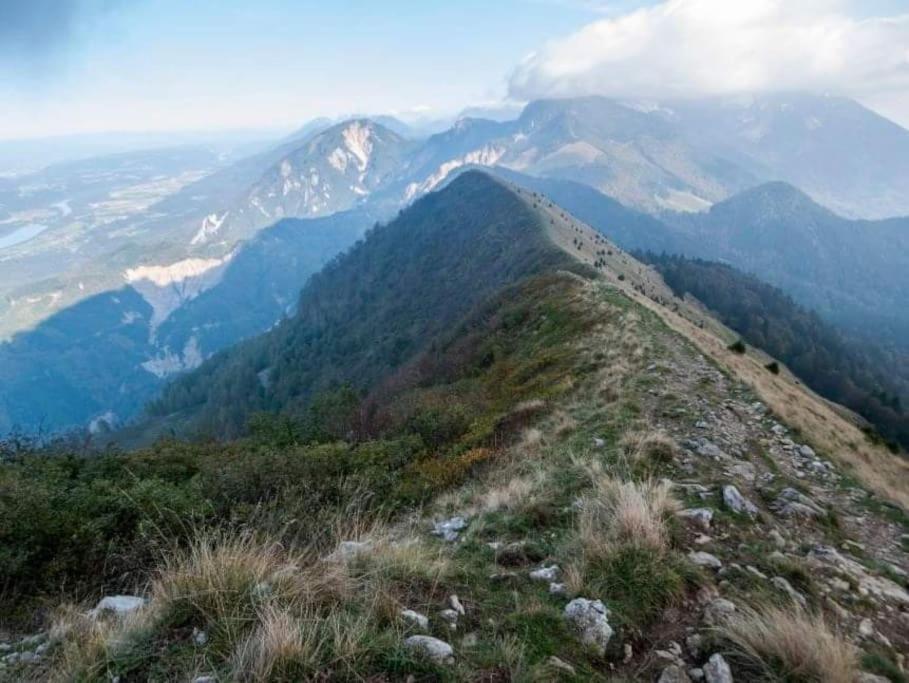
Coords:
pixel 737 346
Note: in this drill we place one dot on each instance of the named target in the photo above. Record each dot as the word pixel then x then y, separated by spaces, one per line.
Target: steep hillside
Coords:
pixel 862 376
pixel 95 364
pixel 854 273
pixel 371 311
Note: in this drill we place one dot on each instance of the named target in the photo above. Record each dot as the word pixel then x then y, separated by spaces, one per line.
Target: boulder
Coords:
pixel 548 574
pixel 421 621
pixel 718 610
pixel 449 529
pixel 736 502
pixel 702 559
pixel 700 517
pixel 433 648
pixel 674 674
pixel 717 670
pixel 590 621
pixel 119 605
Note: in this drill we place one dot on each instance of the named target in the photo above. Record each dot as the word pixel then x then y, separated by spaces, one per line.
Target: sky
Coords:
pixel 70 66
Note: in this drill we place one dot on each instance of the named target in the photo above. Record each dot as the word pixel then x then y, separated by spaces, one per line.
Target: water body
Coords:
pixel 20 235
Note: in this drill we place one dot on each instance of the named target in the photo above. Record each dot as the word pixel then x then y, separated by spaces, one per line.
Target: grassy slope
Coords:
pixel 504 410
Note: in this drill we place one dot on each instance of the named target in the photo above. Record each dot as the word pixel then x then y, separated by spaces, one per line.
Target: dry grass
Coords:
pixel 86 644
pixel 624 513
pixel 792 645
pixel 269 614
pixel 280 646
pixel 647 450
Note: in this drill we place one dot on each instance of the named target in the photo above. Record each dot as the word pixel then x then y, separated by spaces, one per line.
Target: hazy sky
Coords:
pixel 96 65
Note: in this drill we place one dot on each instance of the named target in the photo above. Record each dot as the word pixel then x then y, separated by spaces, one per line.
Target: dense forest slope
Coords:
pixel 854 273
pixel 370 311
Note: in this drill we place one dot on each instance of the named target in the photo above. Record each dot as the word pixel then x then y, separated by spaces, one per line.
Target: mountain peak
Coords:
pixel 773 198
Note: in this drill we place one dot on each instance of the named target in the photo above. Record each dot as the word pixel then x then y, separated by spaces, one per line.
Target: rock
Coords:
pixel 32 640
pixel 782 584
pixel 674 674
pixel 350 550
pixel 561 665
pixel 708 449
pixel 629 653
pixel 743 470
pixel 205 679
pixel 694 643
pixel 792 503
pixel 421 621
pixel 456 605
pixel 866 628
pixel 696 674
pixel 718 611
pixel 777 538
pixel 702 559
pixel 717 670
pixel 433 648
pixel 450 616
pixel 866 677
pixel 879 587
pixel 550 573
pixel 449 529
pixel 698 516
pixel 119 605
pixel 751 569
pixel 590 621
pixel 470 640
pixel 806 451
pixel 558 589
pixel 736 502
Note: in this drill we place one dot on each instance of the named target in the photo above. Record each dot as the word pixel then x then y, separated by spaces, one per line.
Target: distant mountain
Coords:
pixel 335 170
pixel 845 156
pixel 853 272
pixel 636 157
pixel 399 291
pixel 97 362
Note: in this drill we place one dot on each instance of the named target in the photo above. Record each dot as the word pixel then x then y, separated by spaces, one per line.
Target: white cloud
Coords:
pixel 682 48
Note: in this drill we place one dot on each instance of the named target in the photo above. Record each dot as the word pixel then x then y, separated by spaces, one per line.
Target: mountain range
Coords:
pixel 680 177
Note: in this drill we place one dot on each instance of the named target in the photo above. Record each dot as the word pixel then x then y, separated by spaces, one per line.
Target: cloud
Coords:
pixel 33 30
pixel 682 48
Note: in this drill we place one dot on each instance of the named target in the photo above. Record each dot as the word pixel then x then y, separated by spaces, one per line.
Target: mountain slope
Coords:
pixel 375 308
pixel 845 156
pixel 636 157
pixel 854 273
pixel 334 170
pixel 565 475
pixel 859 375
pixel 97 363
